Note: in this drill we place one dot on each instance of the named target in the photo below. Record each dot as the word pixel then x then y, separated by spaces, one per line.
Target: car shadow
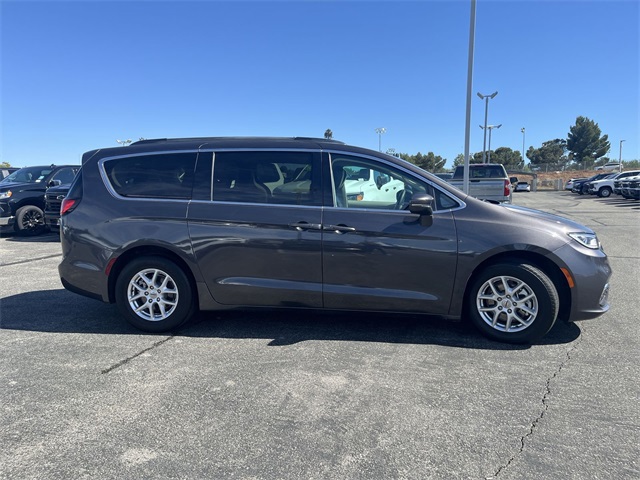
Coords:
pixel 621 202
pixel 60 311
pixel 47 237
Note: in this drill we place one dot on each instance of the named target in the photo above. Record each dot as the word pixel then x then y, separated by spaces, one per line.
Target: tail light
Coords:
pixel 507 188
pixel 68 204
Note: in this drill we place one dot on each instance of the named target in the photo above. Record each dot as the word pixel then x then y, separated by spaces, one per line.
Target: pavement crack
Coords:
pixel 543 411
pixel 128 359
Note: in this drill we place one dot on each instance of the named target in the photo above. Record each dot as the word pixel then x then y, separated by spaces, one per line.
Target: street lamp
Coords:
pixel 620 159
pixel 380 131
pixel 124 143
pixel 523 161
pixel 488 127
pixel 486 114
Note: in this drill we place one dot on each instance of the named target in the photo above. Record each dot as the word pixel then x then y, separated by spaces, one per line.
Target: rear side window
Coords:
pixel 286 178
pixel 166 175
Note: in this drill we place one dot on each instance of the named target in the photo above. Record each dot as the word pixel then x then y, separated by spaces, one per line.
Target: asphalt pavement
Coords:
pixel 304 395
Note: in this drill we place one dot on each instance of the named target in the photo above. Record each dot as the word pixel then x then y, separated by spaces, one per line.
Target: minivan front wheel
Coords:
pixel 513 303
pixel 154 294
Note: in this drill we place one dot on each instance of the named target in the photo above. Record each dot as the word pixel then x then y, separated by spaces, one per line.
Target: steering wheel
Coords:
pixel 403 197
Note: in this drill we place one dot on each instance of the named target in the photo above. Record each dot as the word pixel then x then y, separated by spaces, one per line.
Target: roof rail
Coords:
pixel 318 139
pixel 150 140
pixel 158 140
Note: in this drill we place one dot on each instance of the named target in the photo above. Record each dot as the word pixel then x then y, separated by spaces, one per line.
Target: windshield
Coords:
pixel 28 175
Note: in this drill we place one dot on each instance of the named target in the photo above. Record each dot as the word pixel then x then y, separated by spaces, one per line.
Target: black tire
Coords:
pixel 30 221
pixel 604 192
pixel 137 289
pixel 525 314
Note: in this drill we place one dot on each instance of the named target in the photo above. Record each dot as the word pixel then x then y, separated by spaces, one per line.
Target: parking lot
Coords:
pixel 305 395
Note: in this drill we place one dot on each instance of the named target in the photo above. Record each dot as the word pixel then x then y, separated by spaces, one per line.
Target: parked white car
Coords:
pixel 604 187
pixel 609 167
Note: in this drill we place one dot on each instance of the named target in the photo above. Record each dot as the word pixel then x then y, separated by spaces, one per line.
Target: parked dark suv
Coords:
pixel 166 227
pixel 52 203
pixel 22 196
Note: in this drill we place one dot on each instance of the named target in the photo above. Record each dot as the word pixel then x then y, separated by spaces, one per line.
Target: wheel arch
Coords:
pixel 26 202
pixel 148 251
pixel 544 263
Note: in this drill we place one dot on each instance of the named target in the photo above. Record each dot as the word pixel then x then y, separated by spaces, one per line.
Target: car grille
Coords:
pixel 53 202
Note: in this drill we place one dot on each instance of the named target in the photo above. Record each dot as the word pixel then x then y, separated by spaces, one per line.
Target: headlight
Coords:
pixel 588 240
pixel 6 194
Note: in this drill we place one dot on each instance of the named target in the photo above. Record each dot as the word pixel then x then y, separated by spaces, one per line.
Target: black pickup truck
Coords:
pixel 22 194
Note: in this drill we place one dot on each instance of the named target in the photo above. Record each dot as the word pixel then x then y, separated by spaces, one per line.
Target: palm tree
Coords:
pixel 328 134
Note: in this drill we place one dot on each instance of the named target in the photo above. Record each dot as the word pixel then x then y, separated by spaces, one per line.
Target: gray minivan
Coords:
pixel 166 227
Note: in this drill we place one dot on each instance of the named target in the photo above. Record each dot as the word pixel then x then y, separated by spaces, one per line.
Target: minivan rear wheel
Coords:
pixel 154 294
pixel 513 303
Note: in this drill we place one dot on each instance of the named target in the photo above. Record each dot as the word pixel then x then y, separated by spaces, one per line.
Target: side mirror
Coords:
pixel 54 183
pixel 421 204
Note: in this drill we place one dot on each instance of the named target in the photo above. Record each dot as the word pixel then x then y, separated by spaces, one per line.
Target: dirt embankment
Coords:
pixel 551 180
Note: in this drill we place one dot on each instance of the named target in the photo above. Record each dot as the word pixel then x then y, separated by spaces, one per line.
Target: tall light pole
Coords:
pixel 486 99
pixel 485 128
pixel 124 143
pixel 523 161
pixel 620 159
pixel 467 124
pixel 380 131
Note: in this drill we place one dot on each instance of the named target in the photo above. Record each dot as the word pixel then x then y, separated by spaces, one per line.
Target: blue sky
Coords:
pixel 78 75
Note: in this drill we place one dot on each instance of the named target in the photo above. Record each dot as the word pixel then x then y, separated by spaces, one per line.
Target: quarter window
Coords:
pixel 289 178
pixel 152 176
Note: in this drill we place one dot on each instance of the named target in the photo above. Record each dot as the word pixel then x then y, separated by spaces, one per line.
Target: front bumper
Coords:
pixel 52 220
pixel 591 273
pixel 6 218
pixel 7 221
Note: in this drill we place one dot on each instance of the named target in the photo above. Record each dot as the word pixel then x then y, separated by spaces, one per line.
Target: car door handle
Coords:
pixel 301 226
pixel 339 228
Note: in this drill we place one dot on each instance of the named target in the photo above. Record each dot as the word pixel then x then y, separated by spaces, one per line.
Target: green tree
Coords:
pixel 507 157
pixel 459 160
pixel 585 141
pixel 5 164
pixel 429 162
pixel 551 153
